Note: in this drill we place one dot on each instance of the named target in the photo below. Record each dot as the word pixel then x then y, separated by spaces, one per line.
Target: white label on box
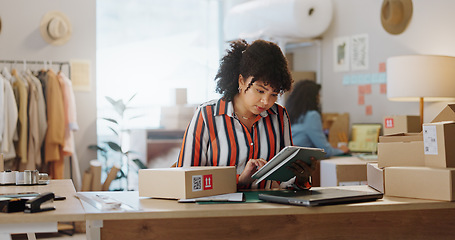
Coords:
pixel 430 140
pixel 196 183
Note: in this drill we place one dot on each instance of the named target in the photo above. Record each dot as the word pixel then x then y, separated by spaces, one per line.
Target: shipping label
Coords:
pixel 202 182
pixel 197 183
pixel 430 140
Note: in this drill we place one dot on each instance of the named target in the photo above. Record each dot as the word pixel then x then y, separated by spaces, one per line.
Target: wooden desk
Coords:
pixel 388 218
pixel 68 210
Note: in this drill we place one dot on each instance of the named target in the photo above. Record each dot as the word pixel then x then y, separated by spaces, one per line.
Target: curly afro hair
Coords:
pixel 262 59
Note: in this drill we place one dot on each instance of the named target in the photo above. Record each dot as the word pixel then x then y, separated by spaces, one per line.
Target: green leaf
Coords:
pixel 110 100
pixel 113 130
pixel 97 148
pixel 114 146
pixel 139 163
pixel 111 120
pixel 118 105
pixel 131 98
pixel 120 108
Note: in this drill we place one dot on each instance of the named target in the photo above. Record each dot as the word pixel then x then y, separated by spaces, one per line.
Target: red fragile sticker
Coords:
pixel 388 123
pixel 207 182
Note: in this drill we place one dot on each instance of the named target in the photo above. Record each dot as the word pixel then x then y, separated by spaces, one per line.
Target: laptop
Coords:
pixel 320 196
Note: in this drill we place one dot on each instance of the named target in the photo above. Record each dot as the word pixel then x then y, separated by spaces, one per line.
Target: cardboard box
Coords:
pixel 439 144
pixel 375 177
pixel 447 114
pixel 343 171
pixel 191 182
pixel 401 124
pixel 299 76
pixel 337 126
pixel 420 182
pixel 178 96
pixel 404 149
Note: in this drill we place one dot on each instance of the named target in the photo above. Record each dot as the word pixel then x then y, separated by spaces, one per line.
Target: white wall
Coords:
pixel 20 39
pixel 430 31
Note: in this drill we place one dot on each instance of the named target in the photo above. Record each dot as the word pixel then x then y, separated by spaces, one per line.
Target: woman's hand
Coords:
pixel 344 148
pixel 251 167
pixel 303 172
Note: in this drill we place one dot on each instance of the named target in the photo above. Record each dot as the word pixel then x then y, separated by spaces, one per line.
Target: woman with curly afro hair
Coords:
pixel 245 127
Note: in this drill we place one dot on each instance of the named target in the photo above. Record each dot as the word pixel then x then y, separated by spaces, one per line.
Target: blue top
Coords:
pixel 307 132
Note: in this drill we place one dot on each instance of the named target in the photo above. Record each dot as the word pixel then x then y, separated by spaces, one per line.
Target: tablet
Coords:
pixel 277 167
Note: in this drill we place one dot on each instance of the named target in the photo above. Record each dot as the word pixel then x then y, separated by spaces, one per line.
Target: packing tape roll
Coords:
pixel 279 19
pixel 7 178
pixel 20 178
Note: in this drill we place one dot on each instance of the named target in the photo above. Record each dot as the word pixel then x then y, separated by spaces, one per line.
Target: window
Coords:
pixel 149 47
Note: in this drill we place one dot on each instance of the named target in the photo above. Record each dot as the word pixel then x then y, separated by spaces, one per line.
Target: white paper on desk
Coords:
pixel 229 197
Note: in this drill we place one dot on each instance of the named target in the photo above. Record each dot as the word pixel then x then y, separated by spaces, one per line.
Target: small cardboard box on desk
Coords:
pixel 403 149
pixel 183 183
pixel 343 171
pixel 420 182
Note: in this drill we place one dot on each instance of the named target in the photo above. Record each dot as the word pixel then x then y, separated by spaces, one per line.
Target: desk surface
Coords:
pixel 388 218
pixel 67 210
pixel 162 208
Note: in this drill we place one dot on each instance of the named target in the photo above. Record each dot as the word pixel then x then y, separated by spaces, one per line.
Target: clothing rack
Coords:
pixel 59 63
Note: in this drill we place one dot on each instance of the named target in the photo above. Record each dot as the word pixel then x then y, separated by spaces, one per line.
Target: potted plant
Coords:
pixel 114 150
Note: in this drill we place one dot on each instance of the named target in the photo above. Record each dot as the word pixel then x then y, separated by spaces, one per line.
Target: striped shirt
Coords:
pixel 216 137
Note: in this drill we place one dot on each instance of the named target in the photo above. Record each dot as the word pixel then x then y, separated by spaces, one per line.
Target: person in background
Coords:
pixel 304 110
pixel 245 127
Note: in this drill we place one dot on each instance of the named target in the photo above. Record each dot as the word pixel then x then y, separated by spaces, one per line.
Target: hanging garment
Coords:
pixel 56 127
pixel 42 76
pixel 20 88
pixel 34 148
pixel 71 125
pixel 42 118
pixel 70 113
pixel 10 119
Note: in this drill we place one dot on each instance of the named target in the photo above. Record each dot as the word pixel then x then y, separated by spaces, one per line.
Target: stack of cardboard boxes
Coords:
pixel 418 165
